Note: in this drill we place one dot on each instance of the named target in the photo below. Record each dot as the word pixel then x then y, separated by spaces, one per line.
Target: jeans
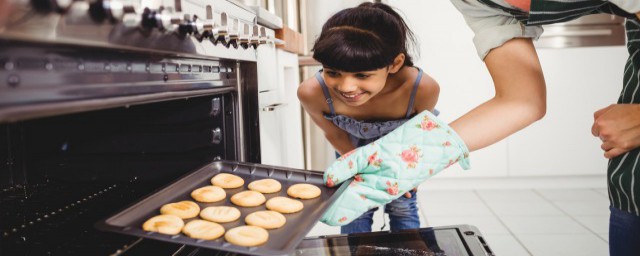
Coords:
pixel 403 214
pixel 624 233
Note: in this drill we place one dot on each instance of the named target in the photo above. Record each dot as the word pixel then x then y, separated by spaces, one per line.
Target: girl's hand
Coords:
pixel 408 194
pixel 618 126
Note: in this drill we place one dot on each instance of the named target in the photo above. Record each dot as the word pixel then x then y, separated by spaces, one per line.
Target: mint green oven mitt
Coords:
pixel 392 165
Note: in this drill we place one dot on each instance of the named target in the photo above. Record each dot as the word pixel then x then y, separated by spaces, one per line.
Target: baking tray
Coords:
pixel 281 241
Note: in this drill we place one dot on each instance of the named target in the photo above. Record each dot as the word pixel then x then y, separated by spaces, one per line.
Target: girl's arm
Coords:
pixel 520 97
pixel 312 99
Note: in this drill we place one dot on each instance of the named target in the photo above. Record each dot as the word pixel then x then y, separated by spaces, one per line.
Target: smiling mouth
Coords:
pixel 352 96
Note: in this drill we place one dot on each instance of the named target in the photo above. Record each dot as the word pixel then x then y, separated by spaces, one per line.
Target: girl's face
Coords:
pixel 355 88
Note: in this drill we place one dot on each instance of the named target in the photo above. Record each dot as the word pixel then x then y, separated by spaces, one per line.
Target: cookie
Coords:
pixel 284 204
pixel 164 224
pixel 266 219
pixel 220 214
pixel 265 186
pixel 226 180
pixel 183 209
pixel 248 198
pixel 247 236
pixel 202 229
pixel 303 191
pixel 209 194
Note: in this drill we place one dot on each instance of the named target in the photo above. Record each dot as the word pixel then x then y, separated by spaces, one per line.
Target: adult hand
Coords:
pixel 618 126
pixel 387 168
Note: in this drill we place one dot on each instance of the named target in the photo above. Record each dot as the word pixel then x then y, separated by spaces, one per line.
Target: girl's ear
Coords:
pixel 397 63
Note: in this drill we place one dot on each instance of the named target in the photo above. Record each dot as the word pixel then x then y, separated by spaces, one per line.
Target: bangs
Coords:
pixel 352 50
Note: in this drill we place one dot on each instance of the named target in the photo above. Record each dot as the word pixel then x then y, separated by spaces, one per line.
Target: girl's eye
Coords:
pixel 362 76
pixel 331 73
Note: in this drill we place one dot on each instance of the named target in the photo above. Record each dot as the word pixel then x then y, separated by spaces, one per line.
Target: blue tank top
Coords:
pixel 363 132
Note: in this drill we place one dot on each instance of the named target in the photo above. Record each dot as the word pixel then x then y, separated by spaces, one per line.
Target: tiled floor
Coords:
pixel 519 221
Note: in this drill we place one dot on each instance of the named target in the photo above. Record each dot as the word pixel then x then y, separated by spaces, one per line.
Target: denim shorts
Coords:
pixel 403 214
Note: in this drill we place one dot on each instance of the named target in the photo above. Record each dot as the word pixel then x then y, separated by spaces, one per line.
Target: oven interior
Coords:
pixel 64 168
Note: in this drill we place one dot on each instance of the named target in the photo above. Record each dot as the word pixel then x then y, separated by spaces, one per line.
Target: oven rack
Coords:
pixel 63 224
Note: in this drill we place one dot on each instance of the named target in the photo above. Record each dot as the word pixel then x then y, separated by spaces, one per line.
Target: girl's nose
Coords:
pixel 347 86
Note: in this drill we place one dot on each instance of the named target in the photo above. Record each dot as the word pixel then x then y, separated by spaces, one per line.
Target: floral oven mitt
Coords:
pixel 392 165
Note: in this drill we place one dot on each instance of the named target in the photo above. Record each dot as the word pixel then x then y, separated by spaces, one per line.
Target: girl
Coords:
pixel 368 86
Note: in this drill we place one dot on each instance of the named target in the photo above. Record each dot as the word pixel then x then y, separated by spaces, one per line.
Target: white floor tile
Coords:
pixel 597 224
pixel 540 208
pixel 447 195
pixel 565 244
pixel 454 209
pixel 511 195
pixel 505 245
pixel 486 224
pixel 604 236
pixel 584 208
pixel 571 195
pixel 543 225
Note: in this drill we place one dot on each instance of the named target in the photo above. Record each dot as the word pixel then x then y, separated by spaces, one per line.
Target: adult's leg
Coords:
pixel 624 233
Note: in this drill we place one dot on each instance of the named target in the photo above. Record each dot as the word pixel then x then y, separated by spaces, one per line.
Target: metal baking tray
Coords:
pixel 281 241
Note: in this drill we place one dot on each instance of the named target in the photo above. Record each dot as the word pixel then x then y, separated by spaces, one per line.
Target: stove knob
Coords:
pixel 220 34
pixel 255 41
pixel 112 10
pixel 191 26
pixel 245 37
pixel 263 39
pixel 160 19
pixel 233 34
pixel 47 6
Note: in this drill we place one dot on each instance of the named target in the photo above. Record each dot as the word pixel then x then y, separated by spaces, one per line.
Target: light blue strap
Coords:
pixel 413 93
pixel 325 90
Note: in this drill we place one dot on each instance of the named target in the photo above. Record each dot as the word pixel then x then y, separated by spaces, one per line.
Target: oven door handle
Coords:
pixel 273 107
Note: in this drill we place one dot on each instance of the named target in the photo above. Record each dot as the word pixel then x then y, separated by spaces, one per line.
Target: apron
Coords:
pixel 623 174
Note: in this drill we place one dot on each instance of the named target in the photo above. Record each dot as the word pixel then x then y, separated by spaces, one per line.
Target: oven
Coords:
pixel 103 102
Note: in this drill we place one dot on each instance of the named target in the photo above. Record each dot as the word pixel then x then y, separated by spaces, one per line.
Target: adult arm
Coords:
pixel 520 96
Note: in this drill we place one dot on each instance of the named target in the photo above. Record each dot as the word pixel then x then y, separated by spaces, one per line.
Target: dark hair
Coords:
pixel 363 38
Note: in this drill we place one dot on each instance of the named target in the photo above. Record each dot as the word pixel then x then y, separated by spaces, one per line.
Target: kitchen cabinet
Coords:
pixel 279 108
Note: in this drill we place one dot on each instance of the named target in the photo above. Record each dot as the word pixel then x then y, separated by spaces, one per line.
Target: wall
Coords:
pixel 579 82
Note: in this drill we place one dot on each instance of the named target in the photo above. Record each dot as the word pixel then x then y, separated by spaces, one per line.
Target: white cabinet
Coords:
pixel 279 108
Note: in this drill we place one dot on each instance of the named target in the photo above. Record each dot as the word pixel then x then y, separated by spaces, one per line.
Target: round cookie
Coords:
pixel 266 219
pixel 284 204
pixel 226 180
pixel 202 229
pixel 182 209
pixel 248 198
pixel 220 214
pixel 265 186
pixel 247 236
pixel 209 194
pixel 303 191
pixel 164 224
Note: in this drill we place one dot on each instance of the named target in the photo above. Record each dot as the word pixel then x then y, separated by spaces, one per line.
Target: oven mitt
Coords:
pixel 392 165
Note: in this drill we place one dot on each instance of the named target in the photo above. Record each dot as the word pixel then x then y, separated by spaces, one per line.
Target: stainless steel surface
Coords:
pixel 185 27
pixel 591 30
pixel 242 156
